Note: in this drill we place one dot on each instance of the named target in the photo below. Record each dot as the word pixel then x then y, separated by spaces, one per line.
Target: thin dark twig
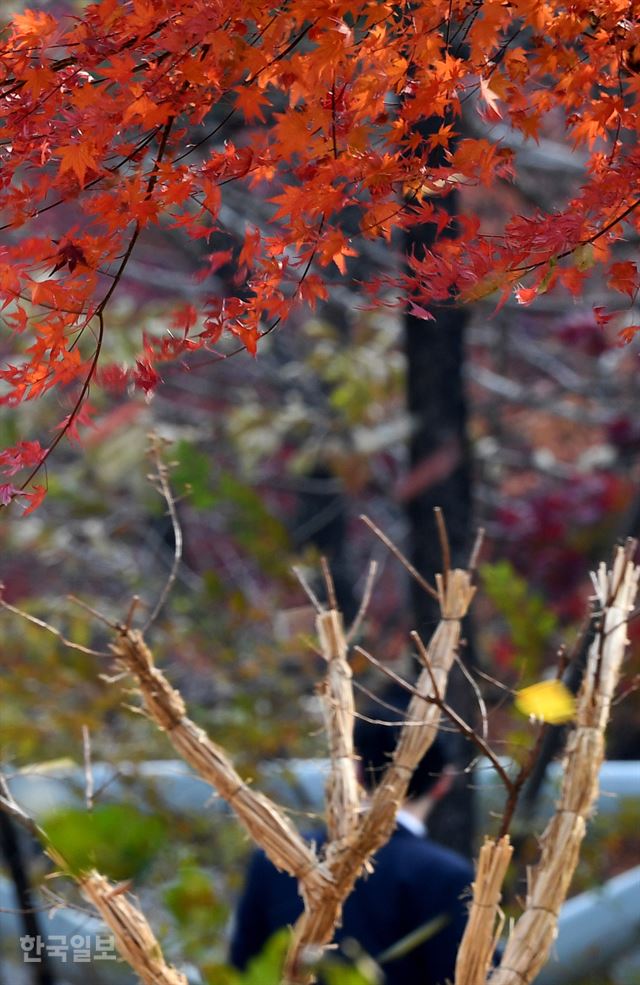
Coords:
pixel 334 141
pixel 77 407
pixel 377 699
pixel 484 717
pixel 391 674
pixel 424 656
pixel 527 268
pixel 51 629
pixel 207 136
pixel 448 28
pixel 444 544
pixel 328 580
pixel 519 781
pixel 632 687
pixel 135 602
pixel 385 704
pixel 478 741
pixel 495 681
pixel 99 313
pixel 452 715
pixel 397 553
pixel 94 612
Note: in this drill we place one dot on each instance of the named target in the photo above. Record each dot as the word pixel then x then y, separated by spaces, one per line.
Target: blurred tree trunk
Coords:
pixel 13 856
pixel 440 474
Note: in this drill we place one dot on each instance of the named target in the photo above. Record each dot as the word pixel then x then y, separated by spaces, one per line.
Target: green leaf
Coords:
pixel 193 470
pixel 116 839
pixel 531 623
pixel 266 967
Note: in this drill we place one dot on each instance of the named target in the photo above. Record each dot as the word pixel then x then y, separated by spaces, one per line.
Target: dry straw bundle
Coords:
pixel 530 941
pixel 134 938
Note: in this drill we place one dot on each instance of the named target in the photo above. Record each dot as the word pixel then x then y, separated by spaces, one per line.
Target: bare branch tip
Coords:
pixel 329 583
pixel 443 537
pixel 364 604
pixel 307 589
pixel 475 550
pixel 397 553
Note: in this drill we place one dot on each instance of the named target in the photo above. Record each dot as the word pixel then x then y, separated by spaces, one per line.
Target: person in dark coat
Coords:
pixel 417 887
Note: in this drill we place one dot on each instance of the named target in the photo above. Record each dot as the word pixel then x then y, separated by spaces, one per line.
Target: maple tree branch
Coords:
pixel 143 142
pixel 443 537
pixel 208 136
pixel 222 356
pixel 77 405
pixel 246 82
pixel 99 314
pixel 527 268
pixel 283 54
pixel 70 60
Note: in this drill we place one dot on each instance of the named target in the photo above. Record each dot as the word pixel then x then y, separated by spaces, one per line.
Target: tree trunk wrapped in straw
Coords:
pixel 343 791
pixel 485 917
pixel 530 942
pixel 353 836
pixel 265 823
pixel 134 938
pixel 316 926
pixel 454 594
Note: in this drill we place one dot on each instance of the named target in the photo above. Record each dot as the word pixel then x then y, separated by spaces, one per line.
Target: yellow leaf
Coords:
pixel 550 701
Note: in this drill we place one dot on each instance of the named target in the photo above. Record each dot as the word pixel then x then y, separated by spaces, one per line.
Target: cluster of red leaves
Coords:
pixel 120 113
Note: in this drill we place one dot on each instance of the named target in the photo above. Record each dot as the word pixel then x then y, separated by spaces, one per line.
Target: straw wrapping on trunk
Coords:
pixel 528 947
pixel 265 823
pixel 485 917
pixel 343 791
pixel 134 938
pixel 316 926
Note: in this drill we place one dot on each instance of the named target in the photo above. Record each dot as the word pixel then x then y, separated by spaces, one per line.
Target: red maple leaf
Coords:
pixel 145 376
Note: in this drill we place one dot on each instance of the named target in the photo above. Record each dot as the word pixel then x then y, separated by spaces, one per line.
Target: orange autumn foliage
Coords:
pixel 118 114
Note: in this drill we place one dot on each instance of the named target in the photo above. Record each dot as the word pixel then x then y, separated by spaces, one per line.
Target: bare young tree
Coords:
pixel 356 828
